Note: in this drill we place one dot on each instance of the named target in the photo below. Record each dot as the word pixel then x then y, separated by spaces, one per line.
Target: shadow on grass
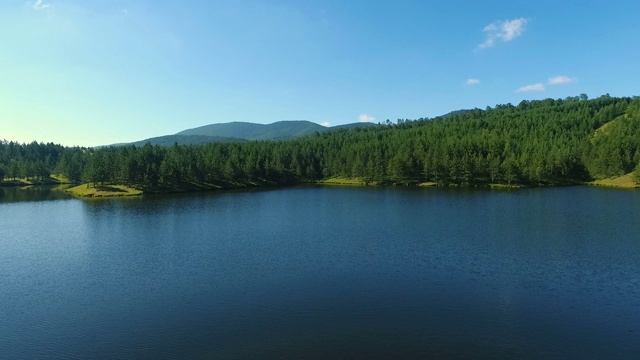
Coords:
pixel 109 188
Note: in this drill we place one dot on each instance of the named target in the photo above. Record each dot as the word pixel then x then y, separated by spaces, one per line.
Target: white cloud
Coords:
pixel 473 81
pixel 561 80
pixel 503 31
pixel 534 87
pixel 366 118
pixel 325 124
pixel 39 5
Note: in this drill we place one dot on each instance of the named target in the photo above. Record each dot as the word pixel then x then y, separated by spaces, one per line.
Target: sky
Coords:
pixel 96 72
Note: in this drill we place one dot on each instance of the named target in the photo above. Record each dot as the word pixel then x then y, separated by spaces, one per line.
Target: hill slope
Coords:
pixel 237 132
pixel 280 130
pixel 170 140
pixel 538 143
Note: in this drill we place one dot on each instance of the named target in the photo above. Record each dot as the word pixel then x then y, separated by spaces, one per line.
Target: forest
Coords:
pixel 536 143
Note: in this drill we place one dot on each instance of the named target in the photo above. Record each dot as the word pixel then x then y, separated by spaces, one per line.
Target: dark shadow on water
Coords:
pixel 32 193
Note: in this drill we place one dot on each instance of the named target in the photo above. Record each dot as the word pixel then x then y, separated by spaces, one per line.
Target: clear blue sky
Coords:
pixel 84 72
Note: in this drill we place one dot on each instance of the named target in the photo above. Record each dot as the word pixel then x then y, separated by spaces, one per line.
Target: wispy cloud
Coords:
pixel 325 124
pixel 39 5
pixel 504 31
pixel 558 80
pixel 472 82
pixel 534 87
pixel 366 118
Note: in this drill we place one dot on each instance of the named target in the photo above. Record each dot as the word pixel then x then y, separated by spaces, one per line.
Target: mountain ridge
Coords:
pixel 242 131
pixel 278 130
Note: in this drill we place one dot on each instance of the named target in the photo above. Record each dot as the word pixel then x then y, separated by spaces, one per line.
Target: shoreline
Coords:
pixel 620 182
pixel 87 190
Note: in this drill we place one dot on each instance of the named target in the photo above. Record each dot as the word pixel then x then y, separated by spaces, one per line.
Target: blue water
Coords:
pixel 317 272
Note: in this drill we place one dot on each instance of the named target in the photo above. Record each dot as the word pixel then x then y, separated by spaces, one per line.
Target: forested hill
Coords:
pixel 169 140
pixel 280 130
pixel 252 131
pixel 243 131
pixel 547 142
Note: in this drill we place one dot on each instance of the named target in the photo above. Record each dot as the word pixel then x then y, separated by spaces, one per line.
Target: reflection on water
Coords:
pixel 33 193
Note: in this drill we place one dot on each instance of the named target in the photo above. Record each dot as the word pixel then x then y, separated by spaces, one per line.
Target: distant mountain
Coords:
pixel 280 130
pixel 244 131
pixel 170 140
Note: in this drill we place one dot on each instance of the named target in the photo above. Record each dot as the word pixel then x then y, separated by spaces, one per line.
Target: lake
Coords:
pixel 322 272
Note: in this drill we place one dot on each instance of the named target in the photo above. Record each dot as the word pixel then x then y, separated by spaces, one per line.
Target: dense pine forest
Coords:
pixel 538 143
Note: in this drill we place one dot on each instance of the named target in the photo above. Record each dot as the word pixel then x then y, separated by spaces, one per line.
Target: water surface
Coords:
pixel 317 272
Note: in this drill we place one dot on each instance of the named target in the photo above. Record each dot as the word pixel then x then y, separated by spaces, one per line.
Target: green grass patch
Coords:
pixel 606 128
pixel 343 181
pixel 86 190
pixel 625 181
pixel 428 184
pixel 60 179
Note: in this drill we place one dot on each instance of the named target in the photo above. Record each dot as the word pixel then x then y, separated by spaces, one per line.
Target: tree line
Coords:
pixel 542 142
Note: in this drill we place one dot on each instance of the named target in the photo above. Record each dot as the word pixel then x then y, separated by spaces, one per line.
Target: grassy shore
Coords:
pixel 361 182
pixel 100 191
pixel 625 181
pixel 116 190
pixel 22 182
pixel 343 181
pixel 428 184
